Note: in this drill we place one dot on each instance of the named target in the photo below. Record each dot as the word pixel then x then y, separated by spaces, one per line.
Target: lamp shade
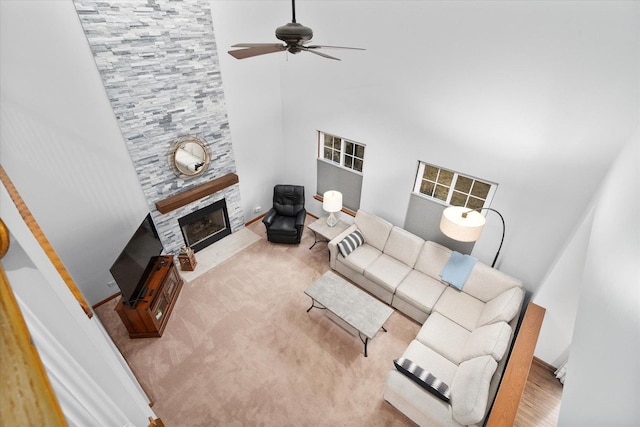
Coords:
pixel 462 224
pixel 332 201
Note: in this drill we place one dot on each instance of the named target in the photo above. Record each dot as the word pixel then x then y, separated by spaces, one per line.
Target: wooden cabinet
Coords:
pixel 150 315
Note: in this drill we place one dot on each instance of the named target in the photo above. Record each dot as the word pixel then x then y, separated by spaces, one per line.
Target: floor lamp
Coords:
pixel 466 224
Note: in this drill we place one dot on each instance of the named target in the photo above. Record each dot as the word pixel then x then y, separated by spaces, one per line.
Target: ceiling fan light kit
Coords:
pixel 293 34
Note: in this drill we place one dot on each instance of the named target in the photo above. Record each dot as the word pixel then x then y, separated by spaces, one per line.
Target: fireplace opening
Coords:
pixel 205 226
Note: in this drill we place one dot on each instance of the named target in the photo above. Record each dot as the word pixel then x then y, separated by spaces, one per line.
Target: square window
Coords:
pixel 480 189
pixel 458 199
pixel 445 177
pixel 430 173
pixel 452 188
pixel 348 161
pixel 463 184
pixel 348 148
pixel 338 150
pixel 426 187
pixel 441 192
pixel 475 203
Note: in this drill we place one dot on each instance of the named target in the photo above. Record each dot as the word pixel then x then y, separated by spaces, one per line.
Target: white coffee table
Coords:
pixel 350 304
pixel 320 228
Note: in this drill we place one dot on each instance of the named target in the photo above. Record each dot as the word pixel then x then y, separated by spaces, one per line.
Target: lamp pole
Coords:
pixel 464 215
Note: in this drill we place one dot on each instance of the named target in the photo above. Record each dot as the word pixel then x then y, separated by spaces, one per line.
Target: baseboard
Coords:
pixel 544 364
pixel 256 219
pixel 106 300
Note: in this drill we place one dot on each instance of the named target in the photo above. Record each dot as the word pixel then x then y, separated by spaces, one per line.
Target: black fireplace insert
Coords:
pixel 205 226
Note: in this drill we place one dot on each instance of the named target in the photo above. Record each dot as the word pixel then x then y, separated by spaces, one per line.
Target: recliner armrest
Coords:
pixel 300 217
pixel 269 217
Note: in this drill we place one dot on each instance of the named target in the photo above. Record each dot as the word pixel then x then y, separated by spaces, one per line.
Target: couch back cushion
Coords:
pixel 432 259
pixel 374 229
pixel 486 283
pixel 491 340
pixel 403 246
pixel 502 308
pixel 470 389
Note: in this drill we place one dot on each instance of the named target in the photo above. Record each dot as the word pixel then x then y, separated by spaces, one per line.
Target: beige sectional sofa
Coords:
pixel 466 334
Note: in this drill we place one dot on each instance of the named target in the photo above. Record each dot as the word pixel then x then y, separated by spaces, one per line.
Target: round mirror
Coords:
pixel 190 156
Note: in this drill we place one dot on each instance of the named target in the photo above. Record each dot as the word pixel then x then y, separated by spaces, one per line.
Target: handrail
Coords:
pixel 515 376
pixel 31 222
pixel 28 398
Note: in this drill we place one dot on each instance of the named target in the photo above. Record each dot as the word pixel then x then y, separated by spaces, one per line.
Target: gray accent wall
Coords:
pixel 423 219
pixel 332 177
pixel 159 66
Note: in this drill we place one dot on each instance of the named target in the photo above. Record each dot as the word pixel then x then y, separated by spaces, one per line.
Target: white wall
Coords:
pixel 560 292
pixel 101 370
pixel 253 98
pixel 603 377
pixel 60 143
pixel 536 96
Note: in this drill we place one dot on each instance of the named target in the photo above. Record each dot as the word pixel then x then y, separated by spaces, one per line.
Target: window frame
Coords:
pixel 342 150
pixel 419 179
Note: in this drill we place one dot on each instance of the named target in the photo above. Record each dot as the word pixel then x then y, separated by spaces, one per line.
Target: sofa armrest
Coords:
pixel 333 245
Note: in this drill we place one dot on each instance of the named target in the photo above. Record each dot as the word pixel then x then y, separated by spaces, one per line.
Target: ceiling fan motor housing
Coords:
pixel 294 34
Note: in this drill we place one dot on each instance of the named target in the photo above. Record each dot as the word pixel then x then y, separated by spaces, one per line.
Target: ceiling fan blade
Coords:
pixel 256 50
pixel 318 53
pixel 256 44
pixel 318 46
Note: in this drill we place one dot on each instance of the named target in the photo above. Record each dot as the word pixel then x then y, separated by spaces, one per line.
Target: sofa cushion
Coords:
pixel 432 259
pixel 374 229
pixel 444 336
pixel 502 308
pixel 470 389
pixel 491 340
pixel 403 246
pixel 423 378
pixel 486 283
pixel 361 258
pixel 430 360
pixel 457 269
pixel 420 290
pixel 387 272
pixel 350 243
pixel 459 307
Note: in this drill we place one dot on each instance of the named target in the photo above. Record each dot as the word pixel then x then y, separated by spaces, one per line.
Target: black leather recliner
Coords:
pixel 285 220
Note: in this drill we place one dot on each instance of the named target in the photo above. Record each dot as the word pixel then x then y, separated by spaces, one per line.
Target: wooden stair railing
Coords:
pixel 28 398
pixel 27 395
pixel 43 241
pixel 505 406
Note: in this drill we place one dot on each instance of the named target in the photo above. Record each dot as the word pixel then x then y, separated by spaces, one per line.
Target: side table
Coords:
pixel 321 229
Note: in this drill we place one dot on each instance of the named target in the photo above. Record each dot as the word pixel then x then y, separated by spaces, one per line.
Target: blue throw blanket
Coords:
pixel 457 269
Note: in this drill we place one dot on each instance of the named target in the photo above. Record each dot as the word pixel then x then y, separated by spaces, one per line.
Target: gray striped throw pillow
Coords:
pixel 350 243
pixel 424 379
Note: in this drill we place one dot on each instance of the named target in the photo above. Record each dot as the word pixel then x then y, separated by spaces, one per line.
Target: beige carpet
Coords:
pixel 241 350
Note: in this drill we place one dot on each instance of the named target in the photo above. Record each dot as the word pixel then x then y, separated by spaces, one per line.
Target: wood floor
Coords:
pixel 540 403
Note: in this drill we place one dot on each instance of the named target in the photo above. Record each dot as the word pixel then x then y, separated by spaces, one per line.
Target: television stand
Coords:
pixel 149 316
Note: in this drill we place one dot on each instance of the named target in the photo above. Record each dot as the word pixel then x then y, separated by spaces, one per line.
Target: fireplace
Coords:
pixel 205 226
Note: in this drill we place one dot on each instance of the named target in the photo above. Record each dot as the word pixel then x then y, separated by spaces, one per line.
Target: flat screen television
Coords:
pixel 131 268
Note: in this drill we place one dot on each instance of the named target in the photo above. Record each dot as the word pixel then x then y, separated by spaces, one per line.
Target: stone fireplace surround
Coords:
pixel 158 62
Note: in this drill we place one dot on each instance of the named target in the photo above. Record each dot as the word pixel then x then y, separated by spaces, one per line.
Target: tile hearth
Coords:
pixel 220 251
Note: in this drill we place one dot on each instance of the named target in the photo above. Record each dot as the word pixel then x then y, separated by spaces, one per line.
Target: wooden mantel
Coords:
pixel 178 200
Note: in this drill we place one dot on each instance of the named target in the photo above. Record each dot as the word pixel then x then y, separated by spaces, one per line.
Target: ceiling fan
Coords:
pixel 294 35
